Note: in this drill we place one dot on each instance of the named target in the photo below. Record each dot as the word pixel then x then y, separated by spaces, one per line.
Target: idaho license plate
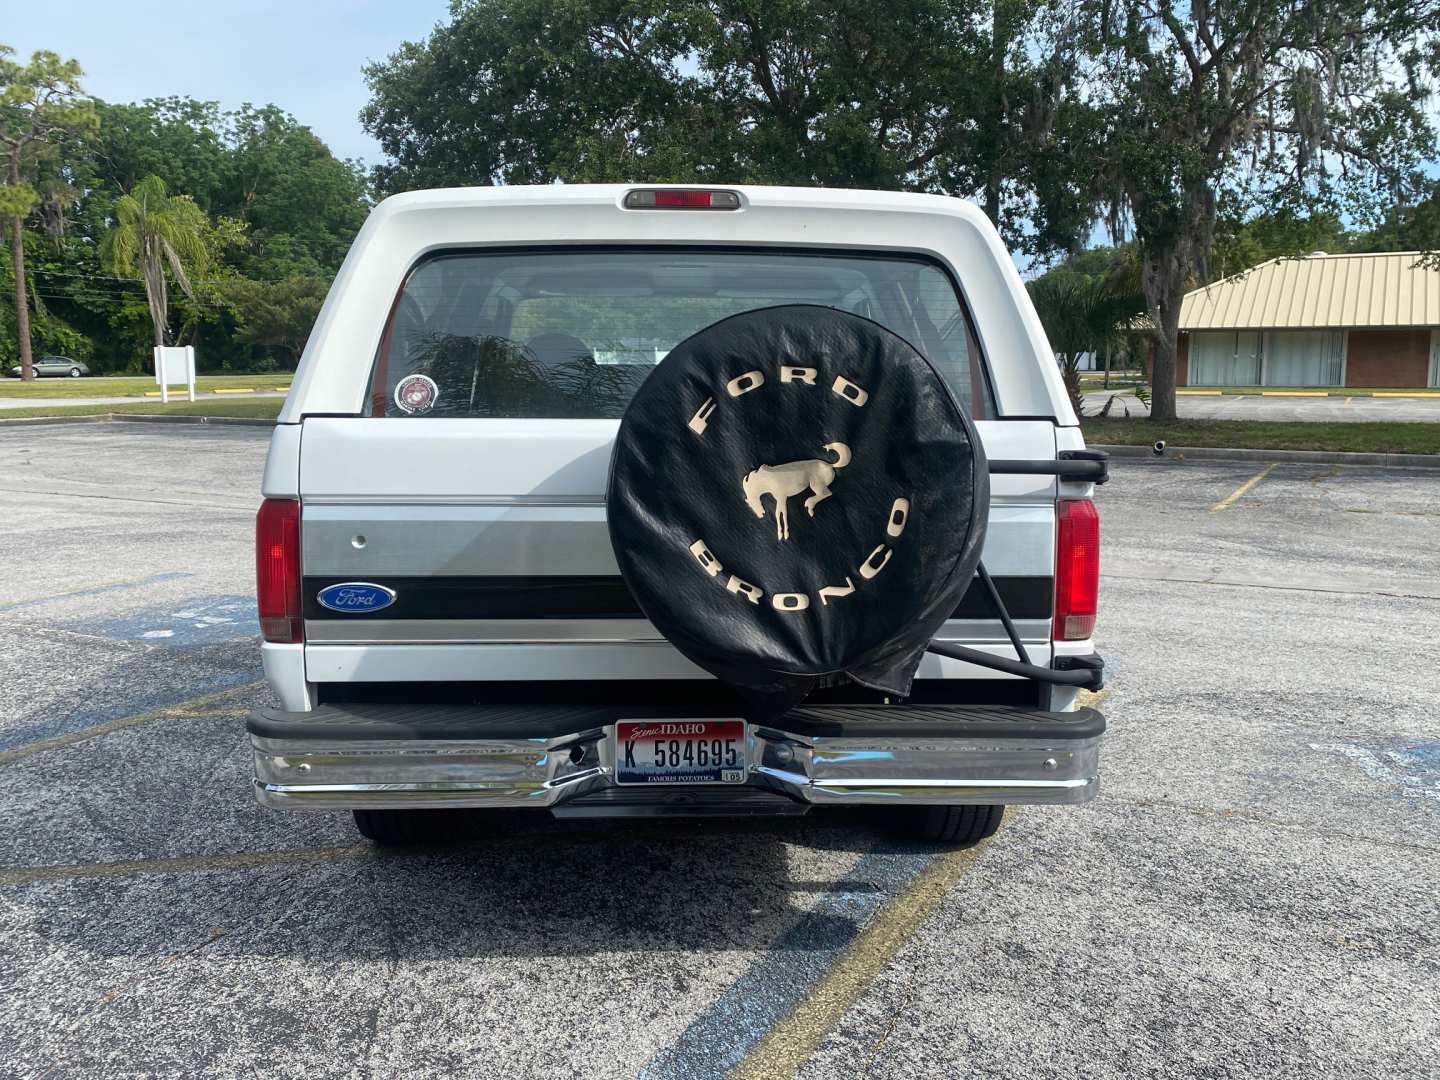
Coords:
pixel 680 752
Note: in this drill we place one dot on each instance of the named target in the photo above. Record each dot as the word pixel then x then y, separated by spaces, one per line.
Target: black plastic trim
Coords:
pixel 942 722
pixel 595 597
pixel 672 693
pixel 1094 663
pixel 501 596
pixel 1099 456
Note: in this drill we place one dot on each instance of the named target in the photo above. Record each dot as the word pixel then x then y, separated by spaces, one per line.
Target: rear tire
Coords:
pixel 955 826
pixel 401 828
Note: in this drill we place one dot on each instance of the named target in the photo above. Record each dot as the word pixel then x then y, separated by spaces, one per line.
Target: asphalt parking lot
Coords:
pixel 1253 894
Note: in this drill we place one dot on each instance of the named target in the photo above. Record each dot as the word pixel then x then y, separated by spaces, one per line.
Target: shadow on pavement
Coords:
pixel 510 885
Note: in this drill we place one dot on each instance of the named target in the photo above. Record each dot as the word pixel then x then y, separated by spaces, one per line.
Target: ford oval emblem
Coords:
pixel 355 597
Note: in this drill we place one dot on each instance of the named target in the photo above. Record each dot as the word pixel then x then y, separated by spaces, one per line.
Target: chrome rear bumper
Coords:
pixel 459 756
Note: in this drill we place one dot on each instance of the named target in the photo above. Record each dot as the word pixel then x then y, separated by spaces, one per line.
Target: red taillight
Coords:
pixel 680 199
pixel 277 570
pixel 1077 569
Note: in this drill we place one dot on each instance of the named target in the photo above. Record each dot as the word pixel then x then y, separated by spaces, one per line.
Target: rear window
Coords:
pixel 559 334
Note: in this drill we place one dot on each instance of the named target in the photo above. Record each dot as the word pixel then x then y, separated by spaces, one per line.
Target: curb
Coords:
pixel 138 418
pixel 1179 454
pixel 26 421
pixel 161 418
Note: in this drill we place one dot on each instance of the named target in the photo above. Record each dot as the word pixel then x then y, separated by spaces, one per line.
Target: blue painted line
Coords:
pixel 153 579
pixel 720 1037
pixel 1423 755
pixel 186 622
pixel 1410 768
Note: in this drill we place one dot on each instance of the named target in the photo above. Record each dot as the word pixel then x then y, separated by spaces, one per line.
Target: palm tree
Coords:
pixel 154 229
pixel 1081 314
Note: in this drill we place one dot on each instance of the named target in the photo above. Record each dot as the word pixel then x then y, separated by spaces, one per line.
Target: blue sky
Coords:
pixel 303 55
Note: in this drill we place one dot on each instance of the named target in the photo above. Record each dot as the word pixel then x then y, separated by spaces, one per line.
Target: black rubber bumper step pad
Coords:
pixel 359 721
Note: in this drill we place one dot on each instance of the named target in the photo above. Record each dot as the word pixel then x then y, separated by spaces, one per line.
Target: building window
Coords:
pixel 1225 359
pixel 1304 358
pixel 1435 358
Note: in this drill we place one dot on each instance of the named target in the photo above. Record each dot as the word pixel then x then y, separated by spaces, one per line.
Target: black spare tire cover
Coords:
pixel 796 497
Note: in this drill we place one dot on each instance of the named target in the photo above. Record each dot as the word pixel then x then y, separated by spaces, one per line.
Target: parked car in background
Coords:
pixel 54 367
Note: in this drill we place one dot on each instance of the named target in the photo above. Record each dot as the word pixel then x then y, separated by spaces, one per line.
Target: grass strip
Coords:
pixel 1379 437
pixel 136 386
pixel 268 407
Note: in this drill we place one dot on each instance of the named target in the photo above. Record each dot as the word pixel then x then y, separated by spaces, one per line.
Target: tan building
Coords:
pixel 1320 320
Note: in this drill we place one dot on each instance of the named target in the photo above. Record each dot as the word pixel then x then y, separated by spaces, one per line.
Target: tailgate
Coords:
pixel 491 535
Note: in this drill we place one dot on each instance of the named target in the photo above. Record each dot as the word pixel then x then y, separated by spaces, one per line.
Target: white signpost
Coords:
pixel 174 364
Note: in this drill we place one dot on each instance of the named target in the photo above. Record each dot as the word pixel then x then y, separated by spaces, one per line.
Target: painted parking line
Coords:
pixel 1243 490
pixel 189 709
pixel 186 864
pixel 720 1038
pixel 789 1044
pixel 771 1018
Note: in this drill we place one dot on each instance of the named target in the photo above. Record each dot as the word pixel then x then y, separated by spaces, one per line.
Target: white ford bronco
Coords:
pixel 677 501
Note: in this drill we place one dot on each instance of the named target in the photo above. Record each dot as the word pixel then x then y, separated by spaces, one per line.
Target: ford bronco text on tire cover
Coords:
pixel 633 501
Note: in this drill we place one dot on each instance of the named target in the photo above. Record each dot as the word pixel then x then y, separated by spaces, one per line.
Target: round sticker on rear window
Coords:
pixel 416 394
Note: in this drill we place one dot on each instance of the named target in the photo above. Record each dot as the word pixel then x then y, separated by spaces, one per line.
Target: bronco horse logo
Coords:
pixel 782 481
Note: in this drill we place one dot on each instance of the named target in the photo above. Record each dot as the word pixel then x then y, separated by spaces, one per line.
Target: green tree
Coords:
pixel 153 230
pixel 1408 225
pixel 276 315
pixel 49 332
pixel 1240 245
pixel 301 204
pixel 1214 109
pixel 281 205
pixel 39 101
pixel 180 140
pixel 928 95
pixel 257 164
pixel 1082 314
